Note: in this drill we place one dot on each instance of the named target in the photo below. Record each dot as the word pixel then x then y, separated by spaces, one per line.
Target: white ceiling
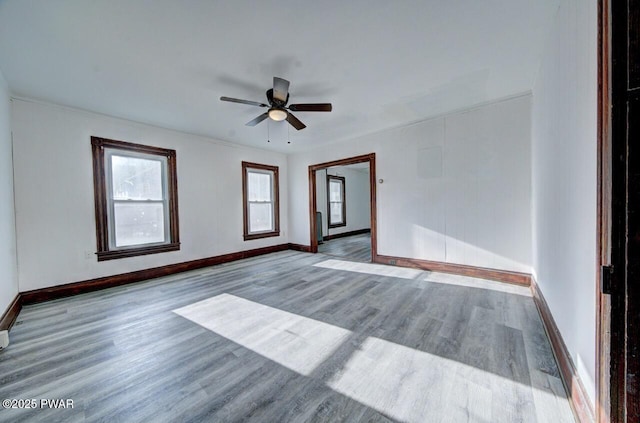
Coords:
pixel 166 62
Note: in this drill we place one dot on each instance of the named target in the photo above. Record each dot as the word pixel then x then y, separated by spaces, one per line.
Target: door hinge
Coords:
pixel 606 275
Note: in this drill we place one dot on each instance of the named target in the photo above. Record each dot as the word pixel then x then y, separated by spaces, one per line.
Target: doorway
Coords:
pixel 338 226
pixel 343 214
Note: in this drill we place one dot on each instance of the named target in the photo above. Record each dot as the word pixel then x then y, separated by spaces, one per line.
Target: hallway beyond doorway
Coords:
pixel 355 247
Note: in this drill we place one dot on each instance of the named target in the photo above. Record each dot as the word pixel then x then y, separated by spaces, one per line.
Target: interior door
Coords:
pixel 625 223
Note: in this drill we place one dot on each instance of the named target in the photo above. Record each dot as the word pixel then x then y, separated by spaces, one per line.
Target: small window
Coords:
pixel 135 197
pixel 261 207
pixel 336 201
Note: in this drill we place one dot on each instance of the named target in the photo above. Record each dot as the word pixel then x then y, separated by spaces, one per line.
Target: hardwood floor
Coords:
pixel 288 337
pixel 355 247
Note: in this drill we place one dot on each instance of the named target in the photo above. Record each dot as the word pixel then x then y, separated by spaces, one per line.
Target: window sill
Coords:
pixel 249 237
pixel 139 251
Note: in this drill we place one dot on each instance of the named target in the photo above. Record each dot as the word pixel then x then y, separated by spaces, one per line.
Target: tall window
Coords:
pixel 336 201
pixel 136 200
pixel 260 194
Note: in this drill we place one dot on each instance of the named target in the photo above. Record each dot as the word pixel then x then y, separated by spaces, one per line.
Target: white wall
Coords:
pixel 8 261
pixel 456 188
pixel 55 205
pixel 564 172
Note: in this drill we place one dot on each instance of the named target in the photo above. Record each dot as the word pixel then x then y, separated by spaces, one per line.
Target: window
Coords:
pixel 136 199
pixel 260 195
pixel 336 201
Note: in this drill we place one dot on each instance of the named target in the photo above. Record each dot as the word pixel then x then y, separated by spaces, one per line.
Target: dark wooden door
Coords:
pixel 625 223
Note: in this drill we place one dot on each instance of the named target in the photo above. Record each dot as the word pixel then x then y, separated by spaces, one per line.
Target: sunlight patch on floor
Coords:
pixel 470 282
pixel 403 383
pixel 294 341
pixel 424 275
pixel 371 269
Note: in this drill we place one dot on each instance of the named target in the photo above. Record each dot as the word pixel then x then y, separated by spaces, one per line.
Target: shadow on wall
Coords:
pixel 479 217
pixel 425 241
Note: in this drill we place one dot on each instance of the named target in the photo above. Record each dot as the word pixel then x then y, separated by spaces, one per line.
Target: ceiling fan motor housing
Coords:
pixel 274 101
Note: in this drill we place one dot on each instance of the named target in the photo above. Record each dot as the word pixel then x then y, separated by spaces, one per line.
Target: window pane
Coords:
pixel 336 213
pixel 138 223
pixel 335 191
pixel 259 186
pixel 260 217
pixel 135 178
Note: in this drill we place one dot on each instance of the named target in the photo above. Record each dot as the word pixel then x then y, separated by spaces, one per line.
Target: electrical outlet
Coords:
pixel 88 255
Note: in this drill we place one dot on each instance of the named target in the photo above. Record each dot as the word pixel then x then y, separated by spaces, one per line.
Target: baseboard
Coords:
pixel 300 247
pixel 578 398
pixel 11 314
pixel 59 291
pixel 346 234
pixel 516 278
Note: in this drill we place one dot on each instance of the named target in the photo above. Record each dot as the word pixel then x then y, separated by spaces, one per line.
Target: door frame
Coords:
pixel 606 379
pixel 313 204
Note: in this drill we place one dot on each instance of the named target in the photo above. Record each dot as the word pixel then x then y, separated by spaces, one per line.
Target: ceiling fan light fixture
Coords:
pixel 277 114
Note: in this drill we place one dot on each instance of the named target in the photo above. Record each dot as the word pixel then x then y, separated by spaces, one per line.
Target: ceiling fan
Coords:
pixel 278 97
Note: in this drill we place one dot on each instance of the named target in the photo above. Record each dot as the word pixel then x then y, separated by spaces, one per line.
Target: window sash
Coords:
pixel 270 202
pixel 339 219
pixel 260 201
pixel 252 223
pixel 112 201
pixel 336 201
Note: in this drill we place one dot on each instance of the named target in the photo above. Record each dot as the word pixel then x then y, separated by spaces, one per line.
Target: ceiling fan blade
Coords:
pixel 258 119
pixel 237 100
pixel 280 89
pixel 311 107
pixel 295 122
